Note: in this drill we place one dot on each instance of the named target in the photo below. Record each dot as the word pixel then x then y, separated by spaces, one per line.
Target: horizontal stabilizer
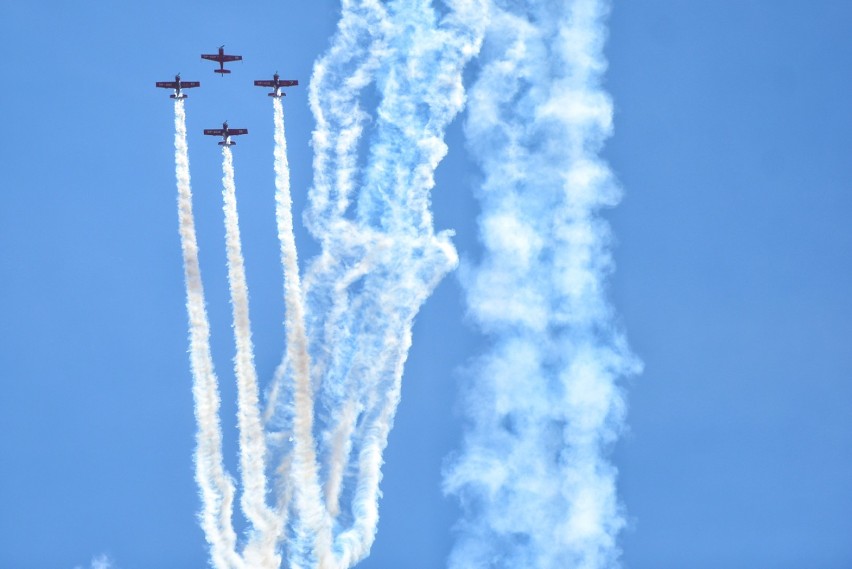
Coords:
pixel 221 71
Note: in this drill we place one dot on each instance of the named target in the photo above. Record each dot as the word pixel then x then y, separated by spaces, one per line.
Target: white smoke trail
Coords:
pixel 260 549
pixel 283 486
pixel 544 405
pixel 217 487
pixel 313 524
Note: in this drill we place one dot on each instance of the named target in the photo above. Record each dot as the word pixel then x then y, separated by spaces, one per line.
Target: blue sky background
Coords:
pixel 733 141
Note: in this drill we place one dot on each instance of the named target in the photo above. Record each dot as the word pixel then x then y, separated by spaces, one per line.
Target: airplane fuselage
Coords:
pixel 221 62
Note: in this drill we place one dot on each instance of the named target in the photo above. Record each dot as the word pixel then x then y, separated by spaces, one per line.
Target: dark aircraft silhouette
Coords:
pixel 177 85
pixel 221 58
pixel 276 83
pixel 226 133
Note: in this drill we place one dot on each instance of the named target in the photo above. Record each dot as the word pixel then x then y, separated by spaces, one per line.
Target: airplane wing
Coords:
pixel 281 83
pixel 189 84
pixel 236 131
pixel 231 57
pixel 214 131
pixel 211 56
pixel 168 84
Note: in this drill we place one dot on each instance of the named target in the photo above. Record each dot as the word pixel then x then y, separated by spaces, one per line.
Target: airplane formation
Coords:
pixel 178 85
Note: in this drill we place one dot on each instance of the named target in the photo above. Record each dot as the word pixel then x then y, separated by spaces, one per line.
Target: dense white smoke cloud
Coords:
pixel 544 404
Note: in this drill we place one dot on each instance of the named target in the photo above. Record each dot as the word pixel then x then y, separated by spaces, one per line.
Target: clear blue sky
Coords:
pixel 733 141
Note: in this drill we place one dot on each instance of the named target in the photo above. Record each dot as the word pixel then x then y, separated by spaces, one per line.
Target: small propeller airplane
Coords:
pixel 178 85
pixel 276 83
pixel 226 133
pixel 221 57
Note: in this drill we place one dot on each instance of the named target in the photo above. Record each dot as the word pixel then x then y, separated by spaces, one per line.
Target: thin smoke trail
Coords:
pixel 312 517
pixel 217 488
pixel 284 220
pixel 544 404
pixel 260 550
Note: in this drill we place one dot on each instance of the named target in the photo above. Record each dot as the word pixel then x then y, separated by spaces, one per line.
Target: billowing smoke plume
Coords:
pixel 544 404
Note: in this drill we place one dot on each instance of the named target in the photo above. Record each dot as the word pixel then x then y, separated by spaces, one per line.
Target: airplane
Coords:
pixel 276 84
pixel 177 85
pixel 221 58
pixel 226 133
